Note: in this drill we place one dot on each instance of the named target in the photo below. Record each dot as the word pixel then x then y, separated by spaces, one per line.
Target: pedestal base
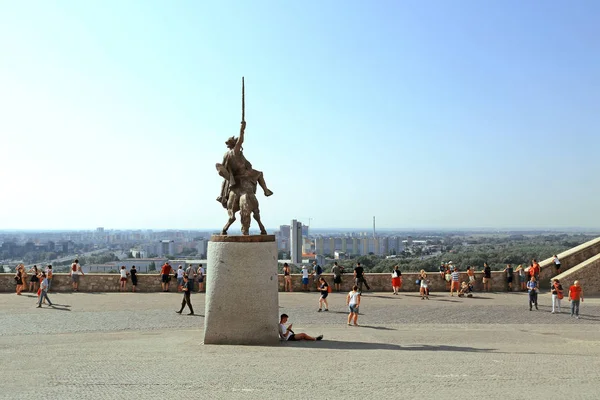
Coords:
pixel 242 303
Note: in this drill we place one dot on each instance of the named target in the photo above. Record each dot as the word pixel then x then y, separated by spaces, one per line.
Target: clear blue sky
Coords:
pixel 422 113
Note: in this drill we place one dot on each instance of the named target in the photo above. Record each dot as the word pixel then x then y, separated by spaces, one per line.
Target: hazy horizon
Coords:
pixel 426 114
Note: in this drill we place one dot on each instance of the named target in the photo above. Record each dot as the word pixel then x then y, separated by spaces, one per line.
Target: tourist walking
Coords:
pixel 190 271
pixel 509 276
pixel 75 271
pixel 337 275
pixel 34 282
pixel 556 265
pixel 359 278
pixel 187 300
pixel 575 297
pixel 353 303
pixel 324 289
pixel 287 278
pixel 557 295
pixel 533 288
pixel 455 284
pixel 123 280
pixel 487 277
pixel 201 275
pixel 180 273
pixel 287 334
pixel 19 278
pixel 396 280
pixel 133 272
pixel 305 278
pixel 423 285
pixel 44 286
pixel 165 273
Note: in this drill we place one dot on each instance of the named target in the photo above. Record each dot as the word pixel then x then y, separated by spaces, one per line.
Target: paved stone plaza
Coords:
pixel 134 346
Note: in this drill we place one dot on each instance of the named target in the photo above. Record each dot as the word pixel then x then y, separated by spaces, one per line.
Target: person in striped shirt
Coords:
pixel 455 284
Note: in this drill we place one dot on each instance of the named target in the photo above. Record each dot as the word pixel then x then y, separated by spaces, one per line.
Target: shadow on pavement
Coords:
pixel 59 307
pixel 341 345
pixel 381 328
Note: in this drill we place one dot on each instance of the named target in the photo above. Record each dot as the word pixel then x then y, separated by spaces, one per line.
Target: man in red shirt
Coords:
pixel 165 271
pixel 575 296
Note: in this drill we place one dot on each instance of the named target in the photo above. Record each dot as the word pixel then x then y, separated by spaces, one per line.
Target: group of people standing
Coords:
pixel 39 283
pixel 190 273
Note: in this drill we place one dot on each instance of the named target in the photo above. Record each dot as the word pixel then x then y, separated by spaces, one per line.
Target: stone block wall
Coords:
pixel 568 259
pixel 581 257
pixel 383 282
pixel 587 273
pixel 95 283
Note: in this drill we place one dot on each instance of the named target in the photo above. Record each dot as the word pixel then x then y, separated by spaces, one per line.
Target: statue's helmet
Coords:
pixel 231 142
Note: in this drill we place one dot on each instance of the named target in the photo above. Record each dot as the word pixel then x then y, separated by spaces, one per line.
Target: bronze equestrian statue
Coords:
pixel 238 191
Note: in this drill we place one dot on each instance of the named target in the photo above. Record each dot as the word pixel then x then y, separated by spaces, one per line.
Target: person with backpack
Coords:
pixel 317 271
pixel 75 272
pixel 557 295
pixel 324 289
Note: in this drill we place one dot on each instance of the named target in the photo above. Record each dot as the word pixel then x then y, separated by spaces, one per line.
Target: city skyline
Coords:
pixel 431 115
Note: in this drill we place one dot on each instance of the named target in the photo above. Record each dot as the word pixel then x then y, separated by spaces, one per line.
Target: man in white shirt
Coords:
pixel 305 278
pixel 287 334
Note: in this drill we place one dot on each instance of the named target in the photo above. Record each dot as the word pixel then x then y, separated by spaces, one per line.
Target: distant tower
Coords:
pixel 296 241
pixel 374 226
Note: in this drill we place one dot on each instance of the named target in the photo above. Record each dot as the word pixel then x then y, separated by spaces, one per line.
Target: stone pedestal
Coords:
pixel 242 303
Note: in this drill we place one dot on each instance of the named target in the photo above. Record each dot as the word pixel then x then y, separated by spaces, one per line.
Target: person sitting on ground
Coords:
pixel 287 334
pixel 465 289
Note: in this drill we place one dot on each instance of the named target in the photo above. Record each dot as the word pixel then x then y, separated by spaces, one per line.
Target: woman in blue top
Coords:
pixel 533 287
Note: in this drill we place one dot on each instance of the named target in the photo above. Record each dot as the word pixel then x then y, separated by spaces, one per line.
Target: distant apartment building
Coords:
pixel 353 246
pixel 283 237
pixel 166 247
pixel 296 242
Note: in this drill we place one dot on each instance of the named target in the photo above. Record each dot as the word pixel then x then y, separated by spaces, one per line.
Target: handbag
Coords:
pixel 39 292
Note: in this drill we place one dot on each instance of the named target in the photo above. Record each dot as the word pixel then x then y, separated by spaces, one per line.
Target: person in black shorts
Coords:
pixel 359 277
pixel 509 276
pixel 133 273
pixel 324 289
